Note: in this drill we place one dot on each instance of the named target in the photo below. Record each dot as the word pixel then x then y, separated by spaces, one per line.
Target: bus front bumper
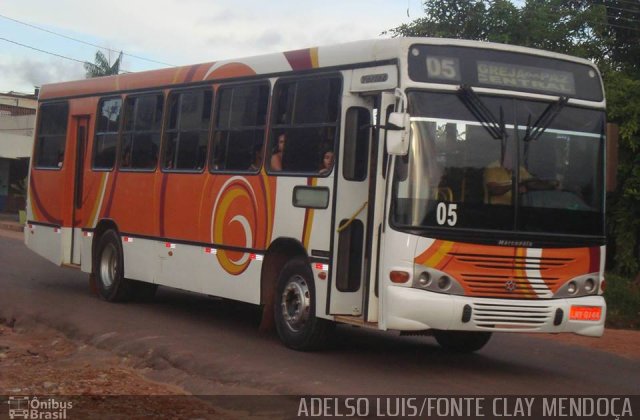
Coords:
pixel 409 309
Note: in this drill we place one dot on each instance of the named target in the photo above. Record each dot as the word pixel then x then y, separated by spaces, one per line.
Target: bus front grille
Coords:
pixel 502 316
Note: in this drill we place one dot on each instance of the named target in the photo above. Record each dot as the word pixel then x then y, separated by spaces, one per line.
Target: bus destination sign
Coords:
pixel 480 67
pixel 518 77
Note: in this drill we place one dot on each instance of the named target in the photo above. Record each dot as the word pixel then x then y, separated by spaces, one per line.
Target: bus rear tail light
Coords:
pixel 399 276
pixel 603 285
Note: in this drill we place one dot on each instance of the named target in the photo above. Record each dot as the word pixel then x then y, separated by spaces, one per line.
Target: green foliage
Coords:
pixel 623 98
pixel 623 302
pixel 605 31
pixel 102 67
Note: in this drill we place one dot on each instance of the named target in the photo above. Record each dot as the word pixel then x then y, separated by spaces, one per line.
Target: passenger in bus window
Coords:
pixel 327 162
pixel 126 157
pixel 169 155
pixel 257 158
pixel 276 157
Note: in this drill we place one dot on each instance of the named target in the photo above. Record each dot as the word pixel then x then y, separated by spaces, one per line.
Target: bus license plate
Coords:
pixel 585 313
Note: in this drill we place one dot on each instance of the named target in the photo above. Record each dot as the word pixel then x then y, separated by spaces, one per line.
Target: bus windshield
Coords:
pixel 460 172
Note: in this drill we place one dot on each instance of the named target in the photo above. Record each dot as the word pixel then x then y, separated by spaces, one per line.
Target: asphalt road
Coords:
pixel 211 346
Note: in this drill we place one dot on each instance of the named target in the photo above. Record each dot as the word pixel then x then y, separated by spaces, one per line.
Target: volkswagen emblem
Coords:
pixel 510 286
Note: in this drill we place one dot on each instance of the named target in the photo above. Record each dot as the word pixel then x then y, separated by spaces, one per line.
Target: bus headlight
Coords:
pixel 427 278
pixel 444 283
pixel 578 286
pixel 589 285
pixel 424 279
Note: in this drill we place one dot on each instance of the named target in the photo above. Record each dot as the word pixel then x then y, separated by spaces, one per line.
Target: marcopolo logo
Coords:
pixel 37 408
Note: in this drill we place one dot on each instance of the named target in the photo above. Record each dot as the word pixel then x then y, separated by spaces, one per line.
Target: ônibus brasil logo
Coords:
pixel 35 408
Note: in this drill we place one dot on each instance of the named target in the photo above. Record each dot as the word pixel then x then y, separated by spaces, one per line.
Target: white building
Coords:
pixel 17 124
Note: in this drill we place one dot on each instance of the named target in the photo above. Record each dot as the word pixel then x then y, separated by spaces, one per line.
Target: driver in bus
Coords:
pixel 497 179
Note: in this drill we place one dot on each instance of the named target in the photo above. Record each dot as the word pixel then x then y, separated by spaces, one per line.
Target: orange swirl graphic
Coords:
pixel 235 216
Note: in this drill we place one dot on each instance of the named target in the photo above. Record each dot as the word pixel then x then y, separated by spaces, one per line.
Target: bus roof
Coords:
pixel 353 53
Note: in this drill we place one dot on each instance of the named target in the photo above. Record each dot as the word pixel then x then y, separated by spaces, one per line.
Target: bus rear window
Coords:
pixel 52 134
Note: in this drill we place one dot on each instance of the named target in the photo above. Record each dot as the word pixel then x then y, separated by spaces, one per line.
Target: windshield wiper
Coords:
pixel 545 119
pixel 483 114
pixel 495 127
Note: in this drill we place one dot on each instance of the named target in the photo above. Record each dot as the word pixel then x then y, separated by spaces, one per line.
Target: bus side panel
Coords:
pixel 86 263
pixel 182 210
pixel 216 281
pixel 47 241
pixel 140 258
pixel 130 201
pixel 316 239
pixel 48 204
pixel 190 267
pixel 312 227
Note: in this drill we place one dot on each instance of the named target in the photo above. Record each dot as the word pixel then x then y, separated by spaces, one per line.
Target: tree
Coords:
pixel 605 31
pixel 102 67
pixel 555 25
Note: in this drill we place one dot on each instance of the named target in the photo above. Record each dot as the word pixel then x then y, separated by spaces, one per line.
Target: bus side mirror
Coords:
pixel 398 129
pixel 612 156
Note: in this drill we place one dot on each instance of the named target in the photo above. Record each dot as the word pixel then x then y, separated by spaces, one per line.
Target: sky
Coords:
pixel 175 32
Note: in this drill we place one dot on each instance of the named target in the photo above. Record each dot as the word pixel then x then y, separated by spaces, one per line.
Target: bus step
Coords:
pixel 69 265
pixel 355 320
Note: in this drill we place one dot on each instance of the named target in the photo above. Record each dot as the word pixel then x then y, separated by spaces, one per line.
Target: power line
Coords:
pixel 624 18
pixel 629 2
pixel 613 25
pixel 42 51
pixel 623 10
pixel 84 42
pixel 50 53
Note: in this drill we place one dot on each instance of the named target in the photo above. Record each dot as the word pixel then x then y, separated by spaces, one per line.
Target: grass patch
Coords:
pixel 623 302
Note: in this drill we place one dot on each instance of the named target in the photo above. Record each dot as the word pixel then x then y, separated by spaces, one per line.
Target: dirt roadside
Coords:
pixel 40 361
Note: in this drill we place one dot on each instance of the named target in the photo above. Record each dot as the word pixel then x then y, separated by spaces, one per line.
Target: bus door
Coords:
pixel 80 131
pixel 352 240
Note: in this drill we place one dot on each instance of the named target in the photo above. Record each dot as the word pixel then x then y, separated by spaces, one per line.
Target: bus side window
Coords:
pixel 141 133
pixel 186 136
pixel 106 139
pixel 52 134
pixel 305 115
pixel 240 122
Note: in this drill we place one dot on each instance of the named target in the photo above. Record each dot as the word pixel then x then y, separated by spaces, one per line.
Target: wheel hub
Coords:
pixel 296 303
pixel 108 266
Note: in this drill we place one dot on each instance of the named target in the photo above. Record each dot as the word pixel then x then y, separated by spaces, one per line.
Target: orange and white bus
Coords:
pixel 370 183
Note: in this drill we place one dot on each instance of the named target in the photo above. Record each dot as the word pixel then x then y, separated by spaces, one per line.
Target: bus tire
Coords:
pixel 109 269
pixel 462 341
pixel 294 308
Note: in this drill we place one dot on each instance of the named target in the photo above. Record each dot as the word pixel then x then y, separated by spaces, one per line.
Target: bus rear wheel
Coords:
pixel 108 269
pixel 462 341
pixel 294 308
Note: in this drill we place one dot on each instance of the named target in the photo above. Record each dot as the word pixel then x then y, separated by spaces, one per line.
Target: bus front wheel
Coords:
pixel 462 341
pixel 108 269
pixel 294 308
